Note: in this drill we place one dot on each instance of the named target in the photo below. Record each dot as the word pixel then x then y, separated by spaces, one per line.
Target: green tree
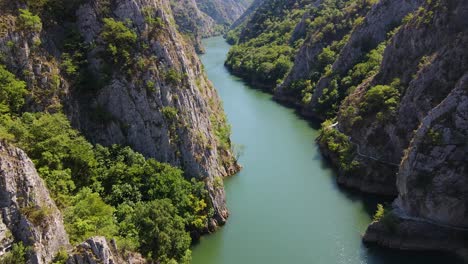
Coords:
pixel 89 216
pixel 12 92
pixel 119 40
pixel 161 232
pixel 28 21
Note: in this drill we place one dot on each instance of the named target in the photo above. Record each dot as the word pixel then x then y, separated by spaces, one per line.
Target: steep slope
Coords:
pixel 136 83
pixel 432 184
pixel 193 23
pixel 29 215
pixel 224 12
pixel 420 66
pixel 365 30
pixel 265 42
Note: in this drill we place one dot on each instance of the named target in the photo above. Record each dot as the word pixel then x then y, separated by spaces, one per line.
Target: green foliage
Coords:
pixel 12 92
pixel 63 157
pixel 382 100
pixel 89 216
pixel 74 60
pixel 169 113
pixel 340 145
pixel 119 41
pixel 61 257
pixel 17 255
pixel 161 232
pixel 326 57
pixel 379 214
pixel 150 17
pixel 28 21
pixel 35 214
pixel 172 76
pixel 222 131
pixel 263 54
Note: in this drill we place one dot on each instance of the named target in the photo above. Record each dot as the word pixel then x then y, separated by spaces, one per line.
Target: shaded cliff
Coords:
pixel 432 184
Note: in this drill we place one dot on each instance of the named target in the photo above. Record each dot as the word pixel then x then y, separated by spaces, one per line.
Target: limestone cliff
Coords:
pixel 427 58
pixel 432 183
pixel 151 94
pixel 29 215
pixel 224 12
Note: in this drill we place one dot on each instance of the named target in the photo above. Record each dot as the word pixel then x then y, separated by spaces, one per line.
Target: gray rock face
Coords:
pixel 381 19
pixel 433 177
pixel 428 59
pixel 28 214
pixel 97 250
pixel 431 211
pixel 224 12
pixel 140 104
pixel 166 108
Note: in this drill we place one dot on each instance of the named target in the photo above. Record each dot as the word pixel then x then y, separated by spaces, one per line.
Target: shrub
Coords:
pixel 381 100
pixel 12 92
pixel 29 22
pixel 17 255
pixel 169 113
pixel 119 41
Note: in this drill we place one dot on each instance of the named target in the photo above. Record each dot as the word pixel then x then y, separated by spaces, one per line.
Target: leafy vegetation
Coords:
pixel 264 54
pixel 12 92
pixel 119 41
pixel 28 21
pixel 17 255
pixel 110 191
pixel 381 100
pixel 340 145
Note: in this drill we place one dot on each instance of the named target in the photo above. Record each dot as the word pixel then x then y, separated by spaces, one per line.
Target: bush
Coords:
pixel 339 144
pixel 89 216
pixel 12 92
pixel 382 100
pixel 161 232
pixel 169 113
pixel 17 255
pixel 29 22
pixel 119 41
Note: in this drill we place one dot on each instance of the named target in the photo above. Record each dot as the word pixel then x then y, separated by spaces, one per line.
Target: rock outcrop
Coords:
pixel 28 214
pixel 97 250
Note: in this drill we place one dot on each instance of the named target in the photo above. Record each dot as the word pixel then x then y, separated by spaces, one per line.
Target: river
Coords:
pixel 285 204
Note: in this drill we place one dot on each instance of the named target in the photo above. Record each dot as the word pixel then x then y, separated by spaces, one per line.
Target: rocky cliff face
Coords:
pixel 427 59
pixel 98 250
pixel 432 183
pixel 224 12
pixel 28 214
pixel 197 19
pixel 151 95
pixel 193 23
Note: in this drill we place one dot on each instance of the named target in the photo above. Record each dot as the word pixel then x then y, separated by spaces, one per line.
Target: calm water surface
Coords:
pixel 285 205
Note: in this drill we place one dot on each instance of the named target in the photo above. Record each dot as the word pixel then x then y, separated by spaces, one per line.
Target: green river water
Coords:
pixel 285 205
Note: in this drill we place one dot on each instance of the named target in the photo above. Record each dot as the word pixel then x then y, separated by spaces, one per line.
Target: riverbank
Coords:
pixel 285 205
